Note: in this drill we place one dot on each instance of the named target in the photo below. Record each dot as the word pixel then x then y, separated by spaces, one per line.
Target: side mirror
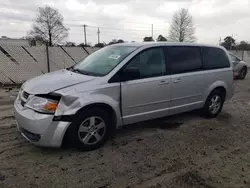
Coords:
pixel 130 74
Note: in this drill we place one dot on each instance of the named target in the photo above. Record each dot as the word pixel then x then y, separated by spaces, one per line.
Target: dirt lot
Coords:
pixel 179 151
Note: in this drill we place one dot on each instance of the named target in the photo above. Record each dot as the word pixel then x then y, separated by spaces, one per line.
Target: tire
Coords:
pixel 214 104
pixel 90 129
pixel 243 73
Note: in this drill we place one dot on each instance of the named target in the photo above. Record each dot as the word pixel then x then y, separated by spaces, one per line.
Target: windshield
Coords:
pixel 103 61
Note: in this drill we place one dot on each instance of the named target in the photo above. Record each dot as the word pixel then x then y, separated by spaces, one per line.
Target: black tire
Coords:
pixel 243 73
pixel 207 111
pixel 74 136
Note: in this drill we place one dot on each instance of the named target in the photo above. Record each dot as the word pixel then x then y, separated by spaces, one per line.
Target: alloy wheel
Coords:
pixel 215 104
pixel 91 130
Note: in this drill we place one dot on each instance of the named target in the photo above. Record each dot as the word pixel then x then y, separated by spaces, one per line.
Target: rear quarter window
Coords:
pixel 214 58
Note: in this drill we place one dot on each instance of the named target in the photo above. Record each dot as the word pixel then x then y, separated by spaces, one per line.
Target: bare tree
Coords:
pixel 182 28
pixel 48 26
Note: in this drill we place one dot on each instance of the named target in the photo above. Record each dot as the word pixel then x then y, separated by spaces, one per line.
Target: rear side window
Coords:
pixel 184 59
pixel 214 58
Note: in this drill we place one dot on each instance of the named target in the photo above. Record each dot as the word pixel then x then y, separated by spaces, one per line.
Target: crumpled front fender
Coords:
pixel 71 103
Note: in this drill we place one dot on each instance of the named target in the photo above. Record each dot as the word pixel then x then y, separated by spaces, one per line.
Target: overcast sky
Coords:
pixel 131 20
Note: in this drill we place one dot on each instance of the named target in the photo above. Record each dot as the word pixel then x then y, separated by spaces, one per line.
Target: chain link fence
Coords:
pixel 20 63
pixel 243 55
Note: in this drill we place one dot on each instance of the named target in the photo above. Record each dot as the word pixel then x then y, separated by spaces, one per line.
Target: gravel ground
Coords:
pixel 179 151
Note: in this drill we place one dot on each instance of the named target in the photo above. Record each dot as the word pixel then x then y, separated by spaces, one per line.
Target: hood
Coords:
pixel 53 81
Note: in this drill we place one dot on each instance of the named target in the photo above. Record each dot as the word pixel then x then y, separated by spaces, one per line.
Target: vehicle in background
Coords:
pixel 240 67
pixel 122 84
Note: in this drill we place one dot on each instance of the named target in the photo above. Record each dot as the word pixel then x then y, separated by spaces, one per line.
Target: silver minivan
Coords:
pixel 119 85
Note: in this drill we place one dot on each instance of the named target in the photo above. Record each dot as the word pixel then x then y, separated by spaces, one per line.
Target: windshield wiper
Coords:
pixel 79 71
pixel 82 72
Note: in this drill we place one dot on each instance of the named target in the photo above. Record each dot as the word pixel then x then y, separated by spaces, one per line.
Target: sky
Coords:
pixel 131 20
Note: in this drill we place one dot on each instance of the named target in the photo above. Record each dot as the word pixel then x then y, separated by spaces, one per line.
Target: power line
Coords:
pixel 110 33
pixel 110 28
pixel 119 29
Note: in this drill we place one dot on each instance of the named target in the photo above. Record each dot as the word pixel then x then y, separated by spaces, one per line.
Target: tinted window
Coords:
pixel 184 59
pixel 150 63
pixel 214 58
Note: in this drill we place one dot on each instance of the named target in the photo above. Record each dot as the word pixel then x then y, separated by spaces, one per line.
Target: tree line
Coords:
pixel 230 44
pixel 48 29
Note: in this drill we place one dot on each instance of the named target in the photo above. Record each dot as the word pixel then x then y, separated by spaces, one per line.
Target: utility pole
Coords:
pixel 85 34
pixel 48 63
pixel 152 31
pixel 98 35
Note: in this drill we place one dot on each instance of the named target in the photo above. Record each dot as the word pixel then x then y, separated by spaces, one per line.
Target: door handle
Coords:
pixel 177 80
pixel 163 82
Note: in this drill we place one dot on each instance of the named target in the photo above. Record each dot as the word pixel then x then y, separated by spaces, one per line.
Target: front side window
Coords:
pixel 214 58
pixel 103 61
pixel 184 59
pixel 150 63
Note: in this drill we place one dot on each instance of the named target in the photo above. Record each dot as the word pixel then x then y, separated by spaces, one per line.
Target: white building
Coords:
pixel 15 42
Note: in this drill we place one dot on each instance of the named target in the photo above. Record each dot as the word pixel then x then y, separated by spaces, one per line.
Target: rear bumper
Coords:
pixel 39 129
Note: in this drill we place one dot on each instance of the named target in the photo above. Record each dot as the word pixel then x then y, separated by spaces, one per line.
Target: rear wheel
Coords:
pixel 214 103
pixel 90 129
pixel 243 73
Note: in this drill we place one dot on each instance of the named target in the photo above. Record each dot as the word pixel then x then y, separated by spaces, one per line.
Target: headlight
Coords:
pixel 42 105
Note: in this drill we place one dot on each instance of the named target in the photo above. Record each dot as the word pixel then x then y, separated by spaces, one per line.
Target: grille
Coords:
pixel 25 95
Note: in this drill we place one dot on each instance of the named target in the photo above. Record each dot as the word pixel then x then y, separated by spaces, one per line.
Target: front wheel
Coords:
pixel 90 129
pixel 214 104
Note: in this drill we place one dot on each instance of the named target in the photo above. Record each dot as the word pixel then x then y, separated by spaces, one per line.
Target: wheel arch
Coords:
pixel 245 67
pixel 217 85
pixel 100 105
pixel 221 89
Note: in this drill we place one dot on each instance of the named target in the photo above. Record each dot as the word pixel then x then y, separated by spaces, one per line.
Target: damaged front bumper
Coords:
pixel 40 129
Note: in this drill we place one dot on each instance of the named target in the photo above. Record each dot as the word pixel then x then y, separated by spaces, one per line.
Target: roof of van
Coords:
pixel 150 44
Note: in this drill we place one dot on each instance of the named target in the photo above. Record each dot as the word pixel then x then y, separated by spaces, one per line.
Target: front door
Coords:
pixel 149 96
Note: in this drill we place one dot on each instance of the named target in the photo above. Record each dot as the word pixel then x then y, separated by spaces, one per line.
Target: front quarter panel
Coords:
pixel 108 94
